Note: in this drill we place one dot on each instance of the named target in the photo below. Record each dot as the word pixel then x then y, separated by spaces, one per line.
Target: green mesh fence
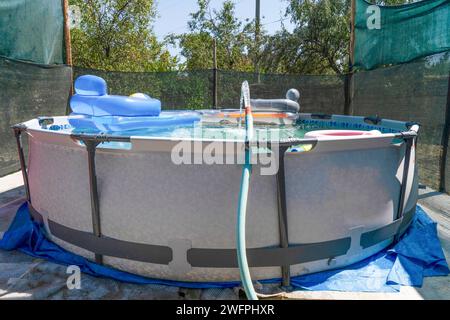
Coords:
pixel 195 89
pixel 319 94
pixel 27 91
pixel 177 90
pixel 387 35
pixel 414 91
pixel 410 92
pixel 32 30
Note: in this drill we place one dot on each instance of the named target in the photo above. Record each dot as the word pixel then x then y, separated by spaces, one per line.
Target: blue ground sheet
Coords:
pixel 417 255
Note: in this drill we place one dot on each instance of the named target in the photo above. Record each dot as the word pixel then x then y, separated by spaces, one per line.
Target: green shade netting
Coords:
pixel 387 35
pixel 32 30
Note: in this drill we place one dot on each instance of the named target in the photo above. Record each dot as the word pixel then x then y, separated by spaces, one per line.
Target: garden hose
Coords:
pixel 243 196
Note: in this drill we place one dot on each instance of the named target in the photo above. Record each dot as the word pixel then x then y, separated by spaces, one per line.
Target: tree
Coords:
pixel 117 35
pixel 318 44
pixel 235 45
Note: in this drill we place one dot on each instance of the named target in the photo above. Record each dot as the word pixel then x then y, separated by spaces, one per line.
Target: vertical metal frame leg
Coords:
pixel 408 143
pixel 91 142
pixel 91 146
pixel 282 213
pixel 18 134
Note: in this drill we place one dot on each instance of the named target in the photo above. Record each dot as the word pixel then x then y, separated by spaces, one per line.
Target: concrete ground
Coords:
pixel 24 277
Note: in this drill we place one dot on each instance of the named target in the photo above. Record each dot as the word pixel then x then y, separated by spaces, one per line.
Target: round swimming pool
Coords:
pixel 162 202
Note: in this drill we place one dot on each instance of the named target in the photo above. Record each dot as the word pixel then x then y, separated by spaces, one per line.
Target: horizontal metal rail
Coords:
pixel 222 258
pixel 100 138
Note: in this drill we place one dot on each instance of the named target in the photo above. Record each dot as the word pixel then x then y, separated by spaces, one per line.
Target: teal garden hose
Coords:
pixel 243 195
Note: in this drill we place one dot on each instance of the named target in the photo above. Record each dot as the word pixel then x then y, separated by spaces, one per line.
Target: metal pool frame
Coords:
pixel 283 256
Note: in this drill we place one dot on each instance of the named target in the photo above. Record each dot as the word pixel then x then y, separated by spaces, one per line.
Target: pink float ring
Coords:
pixel 340 133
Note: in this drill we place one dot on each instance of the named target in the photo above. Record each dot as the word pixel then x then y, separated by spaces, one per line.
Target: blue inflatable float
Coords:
pixel 94 109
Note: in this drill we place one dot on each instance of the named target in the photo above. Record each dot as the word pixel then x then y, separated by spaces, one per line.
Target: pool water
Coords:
pixel 200 131
pixel 208 132
pixel 227 132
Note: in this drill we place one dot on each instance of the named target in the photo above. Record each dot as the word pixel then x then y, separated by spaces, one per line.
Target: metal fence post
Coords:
pixel 214 93
pixel 68 48
pixel 444 143
pixel 347 94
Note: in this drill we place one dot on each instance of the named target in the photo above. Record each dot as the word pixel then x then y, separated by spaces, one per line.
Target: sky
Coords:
pixel 173 15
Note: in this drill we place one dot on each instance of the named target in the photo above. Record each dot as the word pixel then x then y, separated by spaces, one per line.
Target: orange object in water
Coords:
pixel 276 115
pixel 235 116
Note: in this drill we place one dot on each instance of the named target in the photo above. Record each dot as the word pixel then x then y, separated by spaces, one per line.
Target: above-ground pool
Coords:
pixel 130 201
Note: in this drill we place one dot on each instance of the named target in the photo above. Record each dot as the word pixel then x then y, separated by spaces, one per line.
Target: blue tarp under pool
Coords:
pixel 417 255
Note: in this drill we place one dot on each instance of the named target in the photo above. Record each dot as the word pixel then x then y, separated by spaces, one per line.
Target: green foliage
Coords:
pixel 234 39
pixel 319 43
pixel 117 35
